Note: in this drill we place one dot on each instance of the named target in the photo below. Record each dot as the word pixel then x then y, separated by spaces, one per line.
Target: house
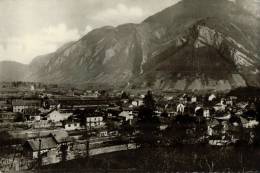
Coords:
pixel 103 133
pixel 113 111
pixel 127 115
pixel 211 127
pixel 20 105
pixel 218 135
pixel 138 102
pixel 248 123
pixel 113 133
pixel 91 94
pixel 163 127
pixel 158 113
pixel 56 116
pixel 106 133
pixel 35 118
pixel 180 108
pixel 212 97
pixel 2 102
pixel 4 106
pixel 206 113
pixel 43 146
pixel 94 121
pixel 7 116
pixel 229 102
pixel 72 126
pixel 193 99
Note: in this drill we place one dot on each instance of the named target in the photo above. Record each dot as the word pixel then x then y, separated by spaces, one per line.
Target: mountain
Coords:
pixel 42 61
pixel 192 45
pixel 12 71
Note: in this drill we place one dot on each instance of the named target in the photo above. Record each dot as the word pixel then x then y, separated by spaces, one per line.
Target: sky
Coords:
pixel 30 28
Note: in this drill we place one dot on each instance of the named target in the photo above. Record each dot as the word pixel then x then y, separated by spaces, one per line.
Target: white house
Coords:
pixel 127 115
pixel 248 123
pixel 212 97
pixel 193 99
pixel 180 108
pixel 56 116
pixel 138 102
pixel 72 126
pixel 91 94
pixel 36 118
pixel 206 113
pixel 95 121
pixel 103 133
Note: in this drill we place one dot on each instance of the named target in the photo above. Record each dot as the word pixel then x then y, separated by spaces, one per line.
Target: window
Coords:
pixel 44 154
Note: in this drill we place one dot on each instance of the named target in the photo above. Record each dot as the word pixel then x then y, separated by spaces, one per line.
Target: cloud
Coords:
pixel 33 29
pixel 119 14
pixel 88 28
pixel 24 48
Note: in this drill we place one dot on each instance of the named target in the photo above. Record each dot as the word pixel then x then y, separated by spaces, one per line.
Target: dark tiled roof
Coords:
pixel 46 143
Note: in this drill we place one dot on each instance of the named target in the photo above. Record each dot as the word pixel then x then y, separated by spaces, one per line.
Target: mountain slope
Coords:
pixel 195 44
pixel 12 71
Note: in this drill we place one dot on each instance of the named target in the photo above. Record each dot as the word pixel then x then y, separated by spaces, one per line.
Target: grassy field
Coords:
pixel 182 158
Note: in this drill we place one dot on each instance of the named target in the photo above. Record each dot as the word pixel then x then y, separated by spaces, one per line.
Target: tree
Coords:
pixel 111 125
pixel 64 152
pixel 46 103
pixel 127 129
pixel 20 118
pixel 148 125
pixel 104 94
pixel 164 114
pixel 149 101
pixel 125 95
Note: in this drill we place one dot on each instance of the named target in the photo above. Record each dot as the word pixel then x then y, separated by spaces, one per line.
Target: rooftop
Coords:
pixel 46 143
pixel 21 102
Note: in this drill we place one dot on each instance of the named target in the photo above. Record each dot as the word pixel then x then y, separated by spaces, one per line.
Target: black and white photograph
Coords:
pixel 129 86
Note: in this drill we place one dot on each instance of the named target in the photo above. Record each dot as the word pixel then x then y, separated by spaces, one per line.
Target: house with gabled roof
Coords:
pixel 33 147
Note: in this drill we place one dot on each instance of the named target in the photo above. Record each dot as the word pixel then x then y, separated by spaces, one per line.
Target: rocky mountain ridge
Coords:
pixel 193 45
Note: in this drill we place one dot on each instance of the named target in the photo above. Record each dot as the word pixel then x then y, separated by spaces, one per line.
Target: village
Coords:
pixel 48 125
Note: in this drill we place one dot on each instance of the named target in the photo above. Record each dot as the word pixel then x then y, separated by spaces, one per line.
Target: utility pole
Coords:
pixel 13 158
pixel 39 155
pixel 87 144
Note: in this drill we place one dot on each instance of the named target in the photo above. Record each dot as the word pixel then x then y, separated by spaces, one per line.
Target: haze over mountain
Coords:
pixel 195 44
pixel 12 71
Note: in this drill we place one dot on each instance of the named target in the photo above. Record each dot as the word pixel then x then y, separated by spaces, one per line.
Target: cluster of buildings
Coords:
pixel 229 120
pixel 62 127
pixel 50 126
